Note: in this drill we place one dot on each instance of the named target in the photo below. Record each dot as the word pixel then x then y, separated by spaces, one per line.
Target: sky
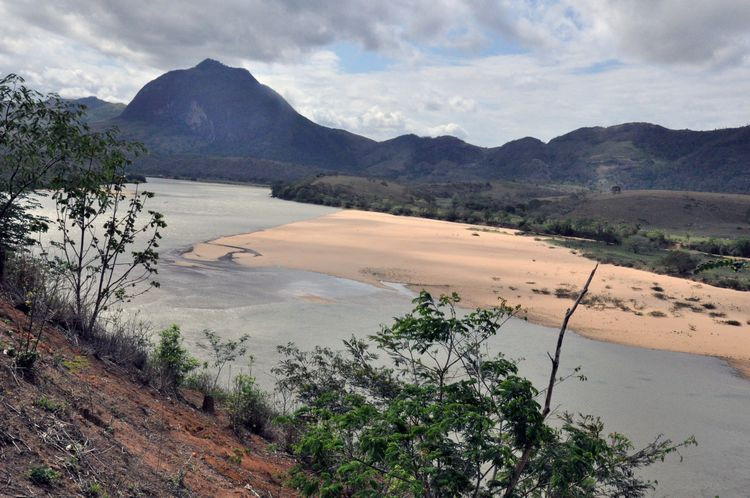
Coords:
pixel 486 71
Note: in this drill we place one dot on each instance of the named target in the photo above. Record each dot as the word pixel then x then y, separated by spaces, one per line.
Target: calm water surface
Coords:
pixel 641 393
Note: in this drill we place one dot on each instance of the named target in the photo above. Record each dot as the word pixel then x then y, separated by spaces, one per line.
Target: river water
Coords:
pixel 640 393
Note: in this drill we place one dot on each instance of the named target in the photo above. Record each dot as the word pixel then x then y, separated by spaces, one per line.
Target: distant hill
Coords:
pixel 213 121
pixel 98 110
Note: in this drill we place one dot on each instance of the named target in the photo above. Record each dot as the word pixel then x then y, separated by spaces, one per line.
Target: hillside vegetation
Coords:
pixel 98 110
pixel 84 425
pixel 669 232
pixel 216 122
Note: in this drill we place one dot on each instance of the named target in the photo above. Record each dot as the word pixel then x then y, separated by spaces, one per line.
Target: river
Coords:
pixel 638 392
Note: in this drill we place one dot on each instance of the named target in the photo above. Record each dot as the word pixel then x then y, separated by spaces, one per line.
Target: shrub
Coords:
pixel 43 475
pixel 679 262
pixel 741 247
pixel 249 407
pixel 171 361
pixel 49 404
pixel 732 283
pixel 94 490
pixel 122 340
pixel 222 352
pixel 30 285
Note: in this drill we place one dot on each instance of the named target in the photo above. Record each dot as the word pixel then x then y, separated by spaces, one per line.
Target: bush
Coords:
pixel 125 341
pixel 30 284
pixel 43 475
pixel 422 425
pixel 741 248
pixel 658 238
pixel 171 361
pixel 249 407
pixel 222 352
pixel 679 262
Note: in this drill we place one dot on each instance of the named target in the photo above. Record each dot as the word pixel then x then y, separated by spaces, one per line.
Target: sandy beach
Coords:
pixel 624 305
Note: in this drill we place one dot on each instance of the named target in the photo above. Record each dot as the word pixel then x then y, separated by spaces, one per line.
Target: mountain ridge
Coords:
pixel 98 110
pixel 224 116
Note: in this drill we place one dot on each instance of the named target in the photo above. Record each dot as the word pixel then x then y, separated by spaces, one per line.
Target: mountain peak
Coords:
pixel 216 69
pixel 214 109
pixel 211 63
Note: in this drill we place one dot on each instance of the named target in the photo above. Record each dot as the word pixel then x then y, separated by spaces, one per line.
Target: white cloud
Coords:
pixel 673 31
pixel 461 104
pixel 556 66
pixel 446 129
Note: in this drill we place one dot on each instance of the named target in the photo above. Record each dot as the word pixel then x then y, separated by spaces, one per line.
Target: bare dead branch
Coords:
pixel 552 378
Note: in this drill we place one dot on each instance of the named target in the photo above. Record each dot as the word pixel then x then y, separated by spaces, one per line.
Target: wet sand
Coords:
pixel 624 305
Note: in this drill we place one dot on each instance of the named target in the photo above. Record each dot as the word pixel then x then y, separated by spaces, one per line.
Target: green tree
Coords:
pixel 444 418
pixel 38 136
pixel 108 241
pixel 171 360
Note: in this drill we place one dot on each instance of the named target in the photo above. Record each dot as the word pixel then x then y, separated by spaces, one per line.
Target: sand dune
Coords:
pixel 625 305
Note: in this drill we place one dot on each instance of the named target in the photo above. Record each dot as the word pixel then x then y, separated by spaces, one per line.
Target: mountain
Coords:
pixel 214 121
pixel 214 110
pixel 98 110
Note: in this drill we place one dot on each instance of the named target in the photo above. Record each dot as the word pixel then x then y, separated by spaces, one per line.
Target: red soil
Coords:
pixel 96 424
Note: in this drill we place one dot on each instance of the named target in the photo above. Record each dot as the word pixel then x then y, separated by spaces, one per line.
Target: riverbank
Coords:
pixel 625 305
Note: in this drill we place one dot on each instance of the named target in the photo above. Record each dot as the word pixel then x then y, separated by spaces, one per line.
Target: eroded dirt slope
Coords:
pixel 103 433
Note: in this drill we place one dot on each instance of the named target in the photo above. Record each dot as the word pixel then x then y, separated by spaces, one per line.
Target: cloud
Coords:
pixel 462 104
pixel 446 129
pixel 514 96
pixel 503 69
pixel 161 33
pixel 713 33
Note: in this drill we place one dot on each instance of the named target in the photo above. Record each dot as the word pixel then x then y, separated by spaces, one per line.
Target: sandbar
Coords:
pixel 625 305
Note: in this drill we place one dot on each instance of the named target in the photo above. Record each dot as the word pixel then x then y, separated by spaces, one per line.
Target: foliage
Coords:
pixel 249 406
pixel 76 364
pixel 679 262
pixel 721 247
pixel 43 475
pixel 643 252
pixel 95 489
pixel 38 134
pixel 124 339
pixel 171 360
pixel 49 404
pixel 30 283
pixel 442 417
pixel 222 352
pixel 734 264
pixel 98 223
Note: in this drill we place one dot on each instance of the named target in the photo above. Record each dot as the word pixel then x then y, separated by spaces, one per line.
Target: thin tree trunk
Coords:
pixel 518 471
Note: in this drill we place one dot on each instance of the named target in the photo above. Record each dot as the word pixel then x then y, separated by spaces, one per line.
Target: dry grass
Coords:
pixel 697 213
